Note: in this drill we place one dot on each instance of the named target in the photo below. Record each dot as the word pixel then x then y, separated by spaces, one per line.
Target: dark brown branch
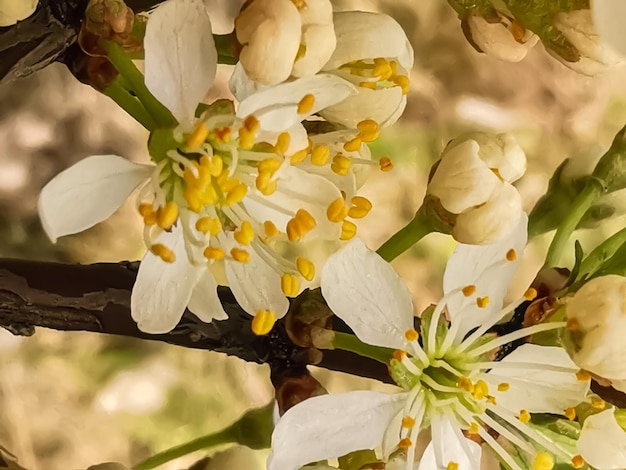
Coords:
pixel 96 298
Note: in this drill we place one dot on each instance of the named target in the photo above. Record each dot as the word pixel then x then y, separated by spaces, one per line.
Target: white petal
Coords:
pixel 255 284
pixel 608 18
pixel 276 107
pixel 240 84
pixel 204 301
pixel 447 447
pixel 537 389
pixel 162 290
pixel 319 40
pixel 222 14
pixel 87 193
pixel 296 190
pixel 365 292
pixel 330 426
pixel 486 268
pixel 383 106
pixel 602 442
pixel 366 35
pixel 12 11
pixel 181 59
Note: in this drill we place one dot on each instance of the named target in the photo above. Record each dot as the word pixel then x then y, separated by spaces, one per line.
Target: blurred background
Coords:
pixel 69 400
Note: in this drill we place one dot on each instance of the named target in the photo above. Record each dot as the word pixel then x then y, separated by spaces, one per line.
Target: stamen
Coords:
pixel 530 294
pixel 306 104
pixel 163 252
pixel 503 387
pixel 352 145
pixel 167 215
pixel 511 255
pixel 337 210
pixel 408 422
pixel 215 164
pixel 213 253
pixel 572 324
pixel 245 234
pixel 209 225
pixel 236 194
pixel 473 429
pixel 399 355
pixel 270 229
pixel 543 461
pixel 452 466
pixel 348 230
pixel 369 130
pixel 491 399
pixel 223 134
pixel 466 384
pixel 578 461
pixel 306 268
pixel 482 302
pixel 405 443
pixel 583 375
pixel 341 165
pixel 362 207
pixel 299 156
pixel 240 255
pixel 370 85
pixel 481 390
pixel 300 225
pixel 145 209
pixel 598 403
pixel 282 143
pixel 320 155
pixel 411 335
pixel 290 285
pixel 263 322
pixel 468 291
pixel 403 82
pixel 524 416
pixel 385 164
pixel 570 413
pixel 198 136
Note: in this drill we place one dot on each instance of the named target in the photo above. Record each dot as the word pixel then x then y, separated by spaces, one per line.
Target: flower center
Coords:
pixel 378 73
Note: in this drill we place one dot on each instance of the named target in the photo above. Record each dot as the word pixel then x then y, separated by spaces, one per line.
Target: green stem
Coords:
pixel 348 342
pixel 591 192
pixel 126 68
pixel 406 237
pixel 225 436
pixel 602 252
pixel 130 104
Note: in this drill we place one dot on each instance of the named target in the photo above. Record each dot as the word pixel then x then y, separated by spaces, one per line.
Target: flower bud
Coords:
pixel 472 186
pixel 597 319
pixel 588 56
pixel 12 11
pixel 500 37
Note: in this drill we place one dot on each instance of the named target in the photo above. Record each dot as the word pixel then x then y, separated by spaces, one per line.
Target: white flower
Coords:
pixel 597 319
pixel 12 11
pixel 594 57
pixel 608 18
pixel 447 380
pixel 472 181
pixel 602 442
pixel 504 39
pixel 281 38
pixel 373 53
pixel 223 196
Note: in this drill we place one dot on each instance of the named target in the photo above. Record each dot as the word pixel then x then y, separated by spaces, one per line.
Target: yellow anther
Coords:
pixel 578 461
pixel 511 255
pixel 337 210
pixel 394 67
pixel 503 387
pixel 570 413
pixel 251 123
pixel 530 294
pixel 248 132
pixel 265 184
pixel 598 403
pixel 385 164
pixel 353 145
pixel 362 206
pixel 543 461
pixel 369 130
pixel 306 104
pixel 306 268
pixel 236 194
pixel 223 134
pixel 583 375
pixel 198 136
pixel 382 69
pixel 208 225
pixel 167 215
pixel 348 230
pixel 240 255
pixel 452 466
pixel 145 209
pixel 320 155
pixel 269 165
pixel 481 390
pixel 263 322
pixel 163 252
pixel 466 384
pixel 245 234
pixel 193 200
pixel 473 429
pixel 572 324
pixel 408 422
pixel 469 290
pixel 282 143
pixel 411 335
pixel 341 164
pixel 524 416
pixel 399 355
pixel 290 285
pixel 270 229
pixel 491 399
pixel 306 219
pixel 299 156
pixel 300 225
pixel 482 302
pixel 300 4
pixel 403 82
pixel 213 253
pixel 150 219
pixel 214 165
pixel 370 85
pixel 405 443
